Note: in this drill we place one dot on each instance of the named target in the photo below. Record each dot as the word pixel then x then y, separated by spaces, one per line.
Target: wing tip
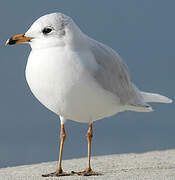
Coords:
pixel 139 108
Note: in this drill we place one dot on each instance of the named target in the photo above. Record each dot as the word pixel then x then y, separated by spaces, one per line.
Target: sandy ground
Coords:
pixel 157 165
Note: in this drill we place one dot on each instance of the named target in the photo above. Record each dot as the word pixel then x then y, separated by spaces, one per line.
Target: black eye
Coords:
pixel 46 30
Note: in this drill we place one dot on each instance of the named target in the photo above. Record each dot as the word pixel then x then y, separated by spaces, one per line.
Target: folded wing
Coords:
pixel 112 74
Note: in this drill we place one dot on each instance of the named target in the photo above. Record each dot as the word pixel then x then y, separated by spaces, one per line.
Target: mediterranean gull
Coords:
pixel 78 78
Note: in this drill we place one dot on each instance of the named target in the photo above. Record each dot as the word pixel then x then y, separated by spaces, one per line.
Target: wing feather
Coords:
pixel 112 74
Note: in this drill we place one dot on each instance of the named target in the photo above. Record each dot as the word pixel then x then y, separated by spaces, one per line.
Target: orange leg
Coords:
pixel 59 171
pixel 89 136
pixel 88 171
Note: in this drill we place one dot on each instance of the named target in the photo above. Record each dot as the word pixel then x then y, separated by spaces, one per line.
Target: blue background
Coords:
pixel 142 32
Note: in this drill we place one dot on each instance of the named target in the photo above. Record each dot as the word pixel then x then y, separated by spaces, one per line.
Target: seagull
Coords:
pixel 78 78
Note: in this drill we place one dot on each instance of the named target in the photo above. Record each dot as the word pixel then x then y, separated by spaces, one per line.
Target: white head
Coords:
pixel 51 30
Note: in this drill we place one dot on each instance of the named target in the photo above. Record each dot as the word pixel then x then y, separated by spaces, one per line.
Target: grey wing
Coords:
pixel 112 74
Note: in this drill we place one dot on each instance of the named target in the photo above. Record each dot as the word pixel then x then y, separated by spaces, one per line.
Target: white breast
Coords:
pixel 64 84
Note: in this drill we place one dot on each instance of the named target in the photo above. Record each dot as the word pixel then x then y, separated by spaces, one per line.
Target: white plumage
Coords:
pixel 77 77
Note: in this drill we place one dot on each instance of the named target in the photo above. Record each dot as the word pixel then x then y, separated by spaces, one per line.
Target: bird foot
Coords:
pixel 87 172
pixel 57 174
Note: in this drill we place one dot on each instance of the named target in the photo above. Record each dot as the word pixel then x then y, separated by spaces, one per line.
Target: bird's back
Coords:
pixel 113 75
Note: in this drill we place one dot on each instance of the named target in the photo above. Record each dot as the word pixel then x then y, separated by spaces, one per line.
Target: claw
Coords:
pixel 57 174
pixel 86 173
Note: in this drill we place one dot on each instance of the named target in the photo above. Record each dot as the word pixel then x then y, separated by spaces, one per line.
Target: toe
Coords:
pixel 57 174
pixel 87 173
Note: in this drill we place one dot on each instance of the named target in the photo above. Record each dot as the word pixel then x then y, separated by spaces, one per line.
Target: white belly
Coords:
pixel 65 86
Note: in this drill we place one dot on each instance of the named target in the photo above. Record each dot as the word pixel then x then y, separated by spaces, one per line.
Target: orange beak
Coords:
pixel 18 39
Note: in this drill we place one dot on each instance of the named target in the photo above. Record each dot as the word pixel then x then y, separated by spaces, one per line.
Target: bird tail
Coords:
pixel 148 97
pixel 151 97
